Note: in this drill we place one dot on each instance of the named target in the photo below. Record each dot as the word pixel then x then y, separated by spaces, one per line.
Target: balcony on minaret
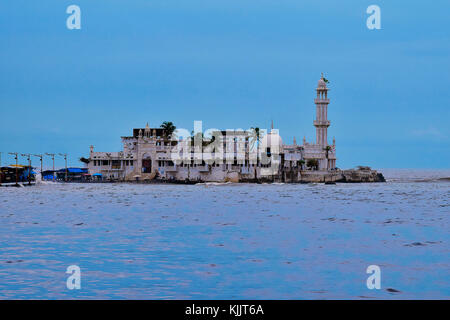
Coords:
pixel 325 123
pixel 321 100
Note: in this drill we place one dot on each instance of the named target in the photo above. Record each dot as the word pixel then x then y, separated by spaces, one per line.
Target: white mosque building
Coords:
pixel 231 155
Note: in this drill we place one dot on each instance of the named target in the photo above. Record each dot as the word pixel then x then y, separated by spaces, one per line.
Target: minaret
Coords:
pixel 321 123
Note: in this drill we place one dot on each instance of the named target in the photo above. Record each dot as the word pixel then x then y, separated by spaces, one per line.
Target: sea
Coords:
pixel 228 241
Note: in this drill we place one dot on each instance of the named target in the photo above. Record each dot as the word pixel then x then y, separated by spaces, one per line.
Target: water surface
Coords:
pixel 228 241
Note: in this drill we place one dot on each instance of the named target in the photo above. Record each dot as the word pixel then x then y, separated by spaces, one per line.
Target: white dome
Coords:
pixel 273 141
pixel 321 83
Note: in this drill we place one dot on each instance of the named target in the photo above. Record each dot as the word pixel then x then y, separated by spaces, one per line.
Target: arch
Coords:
pixel 146 164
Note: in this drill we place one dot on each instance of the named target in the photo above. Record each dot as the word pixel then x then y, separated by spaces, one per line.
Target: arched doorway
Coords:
pixel 147 165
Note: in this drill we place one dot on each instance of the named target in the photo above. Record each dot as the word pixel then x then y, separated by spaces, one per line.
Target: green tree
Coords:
pixel 255 139
pixel 312 163
pixel 301 163
pixel 200 136
pixel 168 128
pixel 327 149
pixel 84 160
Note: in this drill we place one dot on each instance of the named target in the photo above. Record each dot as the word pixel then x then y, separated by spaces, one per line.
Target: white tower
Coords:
pixel 321 123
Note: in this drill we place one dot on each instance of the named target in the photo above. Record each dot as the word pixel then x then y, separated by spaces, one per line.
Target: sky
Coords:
pixel 231 64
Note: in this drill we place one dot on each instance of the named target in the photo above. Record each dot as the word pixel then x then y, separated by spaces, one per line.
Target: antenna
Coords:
pixel 16 157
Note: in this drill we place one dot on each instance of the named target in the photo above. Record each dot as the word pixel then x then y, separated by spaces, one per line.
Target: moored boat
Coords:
pixel 15 175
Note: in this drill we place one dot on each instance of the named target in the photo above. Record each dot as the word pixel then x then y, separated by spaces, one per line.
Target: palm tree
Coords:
pixel 312 163
pixel 201 136
pixel 301 164
pixel 168 128
pixel 327 149
pixel 205 141
pixel 255 137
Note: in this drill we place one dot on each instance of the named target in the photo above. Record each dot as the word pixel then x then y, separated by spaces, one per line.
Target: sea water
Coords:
pixel 228 241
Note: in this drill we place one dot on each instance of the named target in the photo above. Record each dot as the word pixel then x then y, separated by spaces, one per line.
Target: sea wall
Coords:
pixel 287 176
pixel 348 176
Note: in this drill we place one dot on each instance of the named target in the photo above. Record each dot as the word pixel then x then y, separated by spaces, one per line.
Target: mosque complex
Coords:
pixel 153 154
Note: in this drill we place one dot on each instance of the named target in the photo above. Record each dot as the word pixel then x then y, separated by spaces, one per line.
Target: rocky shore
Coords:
pixel 347 176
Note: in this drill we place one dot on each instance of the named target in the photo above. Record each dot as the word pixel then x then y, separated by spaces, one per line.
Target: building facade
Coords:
pixel 231 155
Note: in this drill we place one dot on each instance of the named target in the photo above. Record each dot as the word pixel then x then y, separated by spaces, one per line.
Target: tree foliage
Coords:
pixel 312 163
pixel 85 160
pixel 168 128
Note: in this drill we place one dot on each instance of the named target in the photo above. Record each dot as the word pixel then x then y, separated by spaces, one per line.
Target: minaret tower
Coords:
pixel 321 123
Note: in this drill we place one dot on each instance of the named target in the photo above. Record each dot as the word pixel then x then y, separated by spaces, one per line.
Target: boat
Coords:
pixel 16 175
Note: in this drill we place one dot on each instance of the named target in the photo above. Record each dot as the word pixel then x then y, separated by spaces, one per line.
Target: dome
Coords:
pixel 273 141
pixel 321 84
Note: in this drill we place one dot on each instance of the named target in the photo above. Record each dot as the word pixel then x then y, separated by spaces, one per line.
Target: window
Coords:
pixel 115 164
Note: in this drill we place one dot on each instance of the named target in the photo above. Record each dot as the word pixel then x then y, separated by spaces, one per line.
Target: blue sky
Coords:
pixel 231 64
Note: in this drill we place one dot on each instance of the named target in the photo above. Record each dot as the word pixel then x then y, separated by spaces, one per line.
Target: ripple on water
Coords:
pixel 223 241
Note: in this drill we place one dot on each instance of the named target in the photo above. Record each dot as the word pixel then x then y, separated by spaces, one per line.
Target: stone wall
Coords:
pixel 347 176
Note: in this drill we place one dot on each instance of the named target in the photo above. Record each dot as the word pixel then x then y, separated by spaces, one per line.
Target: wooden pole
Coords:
pixel 29 166
pixel 65 159
pixel 15 154
pixel 17 170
